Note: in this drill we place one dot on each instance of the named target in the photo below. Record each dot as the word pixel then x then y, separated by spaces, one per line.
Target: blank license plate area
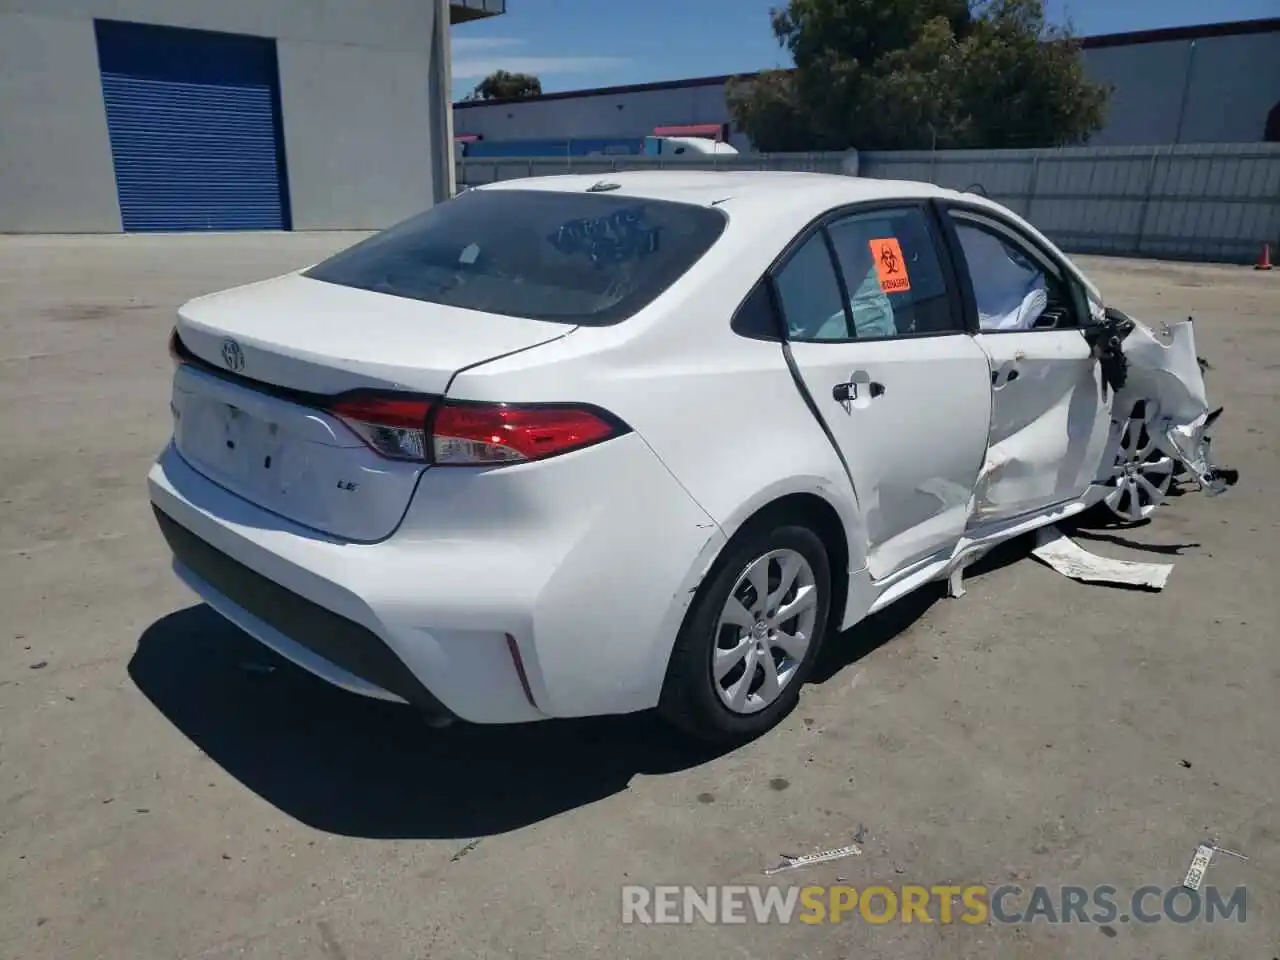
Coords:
pixel 236 447
pixel 284 458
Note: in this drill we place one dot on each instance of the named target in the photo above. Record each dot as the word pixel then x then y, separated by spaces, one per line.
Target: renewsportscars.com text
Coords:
pixel 944 904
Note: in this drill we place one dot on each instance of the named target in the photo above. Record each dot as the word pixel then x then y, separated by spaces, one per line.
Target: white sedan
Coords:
pixel 567 446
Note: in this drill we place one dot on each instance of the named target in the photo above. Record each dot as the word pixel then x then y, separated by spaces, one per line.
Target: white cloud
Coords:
pixel 476 57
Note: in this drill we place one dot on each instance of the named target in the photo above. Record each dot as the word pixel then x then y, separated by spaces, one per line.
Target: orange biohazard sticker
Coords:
pixel 891 268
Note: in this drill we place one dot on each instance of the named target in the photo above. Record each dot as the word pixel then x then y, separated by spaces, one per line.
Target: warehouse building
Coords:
pixel 1218 83
pixel 158 115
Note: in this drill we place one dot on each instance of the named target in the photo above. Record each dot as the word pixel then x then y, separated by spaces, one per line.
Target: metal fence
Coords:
pixel 477 171
pixel 1193 201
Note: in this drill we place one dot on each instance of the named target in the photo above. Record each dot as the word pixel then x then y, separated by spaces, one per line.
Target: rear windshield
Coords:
pixel 582 258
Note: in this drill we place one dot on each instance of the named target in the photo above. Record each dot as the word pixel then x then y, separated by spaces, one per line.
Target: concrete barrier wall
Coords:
pixel 1216 202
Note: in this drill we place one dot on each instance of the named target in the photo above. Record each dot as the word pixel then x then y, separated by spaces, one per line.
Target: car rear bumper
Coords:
pixel 340 650
pixel 549 615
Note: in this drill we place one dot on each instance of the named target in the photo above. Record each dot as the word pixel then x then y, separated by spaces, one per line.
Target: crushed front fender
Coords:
pixel 1164 371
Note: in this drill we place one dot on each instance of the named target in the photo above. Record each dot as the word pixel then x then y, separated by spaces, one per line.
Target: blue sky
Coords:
pixel 571 44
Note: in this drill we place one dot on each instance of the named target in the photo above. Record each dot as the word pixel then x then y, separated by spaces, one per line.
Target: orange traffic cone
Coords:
pixel 1264 258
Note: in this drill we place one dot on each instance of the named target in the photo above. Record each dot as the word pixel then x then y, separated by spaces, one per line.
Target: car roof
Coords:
pixel 814 192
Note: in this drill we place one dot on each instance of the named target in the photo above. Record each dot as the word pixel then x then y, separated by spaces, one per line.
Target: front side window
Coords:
pixel 580 258
pixel 1012 289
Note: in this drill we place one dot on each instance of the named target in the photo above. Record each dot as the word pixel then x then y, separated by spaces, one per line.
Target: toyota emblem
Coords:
pixel 232 356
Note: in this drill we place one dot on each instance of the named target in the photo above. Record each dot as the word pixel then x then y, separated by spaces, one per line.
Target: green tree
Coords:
pixel 919 74
pixel 502 85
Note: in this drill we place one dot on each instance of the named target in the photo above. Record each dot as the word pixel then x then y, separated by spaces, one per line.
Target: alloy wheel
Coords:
pixel 764 631
pixel 1143 472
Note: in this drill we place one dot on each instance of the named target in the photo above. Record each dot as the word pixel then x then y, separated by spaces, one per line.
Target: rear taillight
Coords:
pixel 394 427
pixel 479 433
pixel 472 434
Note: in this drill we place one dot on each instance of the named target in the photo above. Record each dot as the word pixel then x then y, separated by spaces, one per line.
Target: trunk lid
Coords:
pixel 322 338
pixel 250 413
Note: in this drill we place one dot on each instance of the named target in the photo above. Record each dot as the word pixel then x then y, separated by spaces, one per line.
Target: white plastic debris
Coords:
pixel 1070 559
pixel 809 859
pixel 1199 865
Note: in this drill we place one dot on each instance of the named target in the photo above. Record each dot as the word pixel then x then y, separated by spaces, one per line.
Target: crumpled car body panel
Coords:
pixel 1165 372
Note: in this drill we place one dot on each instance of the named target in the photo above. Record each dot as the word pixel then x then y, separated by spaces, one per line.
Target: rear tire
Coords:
pixel 763 611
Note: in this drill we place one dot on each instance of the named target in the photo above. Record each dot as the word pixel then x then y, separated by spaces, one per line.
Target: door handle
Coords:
pixel 1008 377
pixel 846 392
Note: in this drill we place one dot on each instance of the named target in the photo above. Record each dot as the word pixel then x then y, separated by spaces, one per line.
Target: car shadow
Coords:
pixel 358 767
pixel 863 639
pixel 1100 526
pixel 1167 549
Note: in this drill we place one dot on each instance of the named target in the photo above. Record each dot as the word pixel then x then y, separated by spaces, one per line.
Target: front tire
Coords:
pixel 1142 474
pixel 750 638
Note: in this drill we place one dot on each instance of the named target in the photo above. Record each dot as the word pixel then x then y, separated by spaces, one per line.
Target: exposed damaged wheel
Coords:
pixel 1142 473
pixel 751 636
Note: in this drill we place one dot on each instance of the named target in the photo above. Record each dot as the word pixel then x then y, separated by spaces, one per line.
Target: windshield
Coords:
pixel 582 258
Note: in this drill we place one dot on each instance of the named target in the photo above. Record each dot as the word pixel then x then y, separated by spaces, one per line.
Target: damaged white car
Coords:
pixel 565 447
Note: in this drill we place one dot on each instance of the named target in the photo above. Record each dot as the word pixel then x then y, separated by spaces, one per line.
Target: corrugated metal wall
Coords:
pixel 1202 201
pixel 1208 202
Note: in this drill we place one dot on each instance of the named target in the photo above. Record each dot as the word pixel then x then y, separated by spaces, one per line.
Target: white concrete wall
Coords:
pixel 364 98
pixel 392 24
pixel 356 134
pixel 56 173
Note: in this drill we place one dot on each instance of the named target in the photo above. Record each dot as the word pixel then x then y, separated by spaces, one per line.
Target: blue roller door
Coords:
pixel 194 125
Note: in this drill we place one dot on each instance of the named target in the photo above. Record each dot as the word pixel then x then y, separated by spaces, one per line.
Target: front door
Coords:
pixel 877 336
pixel 1050 410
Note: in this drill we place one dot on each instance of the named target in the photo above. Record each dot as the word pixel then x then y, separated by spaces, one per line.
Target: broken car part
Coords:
pixel 809 859
pixel 1161 417
pixel 1070 559
pixel 1199 866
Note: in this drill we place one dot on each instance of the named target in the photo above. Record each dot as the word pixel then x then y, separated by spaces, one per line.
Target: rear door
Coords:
pixel 1050 411
pixel 876 332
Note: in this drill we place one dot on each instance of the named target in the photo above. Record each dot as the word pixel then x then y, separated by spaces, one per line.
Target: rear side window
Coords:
pixel 810 294
pixel 894 274
pixel 581 258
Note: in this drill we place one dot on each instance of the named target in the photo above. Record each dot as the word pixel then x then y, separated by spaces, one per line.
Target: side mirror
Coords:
pixel 1105 339
pixel 1120 322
